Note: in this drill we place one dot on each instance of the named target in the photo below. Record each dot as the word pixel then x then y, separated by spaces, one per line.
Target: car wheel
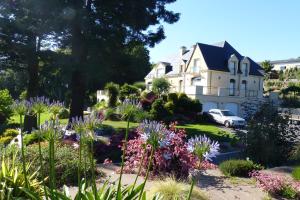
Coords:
pixel 227 124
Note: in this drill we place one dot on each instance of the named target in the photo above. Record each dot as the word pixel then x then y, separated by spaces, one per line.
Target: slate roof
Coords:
pixel 216 57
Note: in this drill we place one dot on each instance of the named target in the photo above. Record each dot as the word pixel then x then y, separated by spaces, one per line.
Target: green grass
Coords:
pixel 210 130
pixel 44 117
pixel 120 124
pixel 296 173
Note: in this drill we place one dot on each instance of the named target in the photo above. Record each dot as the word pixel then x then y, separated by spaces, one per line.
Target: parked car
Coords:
pixel 226 118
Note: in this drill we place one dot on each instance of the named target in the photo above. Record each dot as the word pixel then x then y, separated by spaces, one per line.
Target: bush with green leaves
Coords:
pixel 65 168
pixel 158 110
pixel 5 140
pixel 270 137
pixel 240 168
pixel 13 181
pixel 11 132
pixel 33 138
pixel 160 86
pixel 110 114
pixel 113 93
pixel 129 92
pixel 64 113
pixel 5 105
pixel 141 85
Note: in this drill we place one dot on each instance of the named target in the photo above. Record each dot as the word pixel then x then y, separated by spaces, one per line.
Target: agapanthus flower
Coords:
pixel 154 133
pixel 21 107
pixel 129 106
pixel 92 121
pixel 55 107
pixel 78 124
pixel 50 125
pixel 203 147
pixel 39 104
pixel 89 123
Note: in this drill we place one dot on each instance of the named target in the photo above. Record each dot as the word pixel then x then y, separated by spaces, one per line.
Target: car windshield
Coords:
pixel 227 113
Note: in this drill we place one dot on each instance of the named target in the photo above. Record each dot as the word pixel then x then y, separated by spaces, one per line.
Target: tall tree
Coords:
pixel 24 28
pixel 267 66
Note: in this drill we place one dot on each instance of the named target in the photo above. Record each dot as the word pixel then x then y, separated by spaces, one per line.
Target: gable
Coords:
pixel 196 54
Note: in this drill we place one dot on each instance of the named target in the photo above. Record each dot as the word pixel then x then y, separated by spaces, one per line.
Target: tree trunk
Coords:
pixel 79 58
pixel 78 93
pixel 33 82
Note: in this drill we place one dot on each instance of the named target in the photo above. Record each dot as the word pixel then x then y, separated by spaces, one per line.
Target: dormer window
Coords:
pixel 245 69
pixel 232 67
pixel 233 64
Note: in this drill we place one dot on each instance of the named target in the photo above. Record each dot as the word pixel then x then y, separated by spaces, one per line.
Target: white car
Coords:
pixel 226 118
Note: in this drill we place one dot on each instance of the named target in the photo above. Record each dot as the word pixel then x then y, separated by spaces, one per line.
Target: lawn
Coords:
pixel 210 130
pixel 120 124
pixel 44 117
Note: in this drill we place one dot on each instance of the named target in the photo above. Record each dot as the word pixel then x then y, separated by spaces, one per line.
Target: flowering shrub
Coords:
pixel 276 184
pixel 171 155
pixel 207 165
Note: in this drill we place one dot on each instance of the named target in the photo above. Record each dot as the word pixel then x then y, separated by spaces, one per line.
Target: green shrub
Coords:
pixel 170 107
pixel 240 168
pixel 6 140
pixel 66 162
pixel 170 189
pixel 160 86
pixel 11 132
pixel 141 85
pixel 296 173
pixel 140 116
pixel 113 93
pixel 128 92
pixel 158 111
pixel 173 97
pixel 110 114
pixel 64 114
pixel 32 138
pixel 268 138
pixel 289 192
pixel 5 103
pixel 12 180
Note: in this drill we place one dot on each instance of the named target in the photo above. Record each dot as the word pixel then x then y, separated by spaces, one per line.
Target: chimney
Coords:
pixel 182 50
pixel 193 47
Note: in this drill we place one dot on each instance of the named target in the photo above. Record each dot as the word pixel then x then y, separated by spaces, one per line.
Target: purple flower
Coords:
pixel 39 104
pixel 203 147
pixel 154 133
pixel 55 107
pixel 21 107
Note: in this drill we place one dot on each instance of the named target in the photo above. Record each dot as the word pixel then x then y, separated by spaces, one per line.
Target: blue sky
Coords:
pixel 260 29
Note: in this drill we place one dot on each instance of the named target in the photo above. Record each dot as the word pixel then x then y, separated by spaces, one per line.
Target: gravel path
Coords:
pixel 212 182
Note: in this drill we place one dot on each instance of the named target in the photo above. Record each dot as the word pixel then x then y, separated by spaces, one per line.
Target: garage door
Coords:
pixel 233 107
pixel 209 105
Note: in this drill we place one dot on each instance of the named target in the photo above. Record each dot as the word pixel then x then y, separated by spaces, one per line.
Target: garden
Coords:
pixel 125 147
pixel 59 142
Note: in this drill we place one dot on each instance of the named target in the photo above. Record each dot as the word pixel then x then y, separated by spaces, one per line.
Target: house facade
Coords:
pixel 281 65
pixel 217 75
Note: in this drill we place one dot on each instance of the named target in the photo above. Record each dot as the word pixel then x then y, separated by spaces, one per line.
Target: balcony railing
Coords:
pixel 222 92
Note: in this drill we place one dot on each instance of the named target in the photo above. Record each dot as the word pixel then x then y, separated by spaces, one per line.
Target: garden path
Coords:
pixel 212 182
